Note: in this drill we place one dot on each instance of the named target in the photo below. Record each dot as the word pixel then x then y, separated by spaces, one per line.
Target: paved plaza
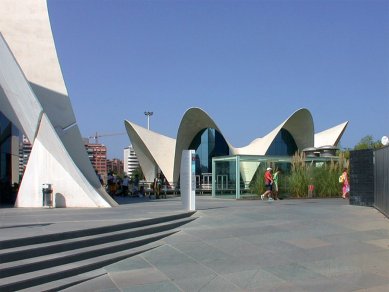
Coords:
pixel 244 245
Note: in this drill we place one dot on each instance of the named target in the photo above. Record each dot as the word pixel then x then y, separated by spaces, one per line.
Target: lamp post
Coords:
pixel 148 114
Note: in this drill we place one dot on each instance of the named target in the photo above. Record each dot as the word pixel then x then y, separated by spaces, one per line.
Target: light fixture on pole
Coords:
pixel 148 114
pixel 385 140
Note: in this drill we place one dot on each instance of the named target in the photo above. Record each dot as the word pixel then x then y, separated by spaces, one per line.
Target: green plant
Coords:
pixel 368 142
pixel 326 180
pixel 324 177
pixel 300 176
pixel 137 172
pixel 257 185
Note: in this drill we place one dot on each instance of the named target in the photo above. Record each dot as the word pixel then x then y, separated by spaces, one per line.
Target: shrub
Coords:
pixel 326 181
pixel 324 177
pixel 257 184
pixel 300 176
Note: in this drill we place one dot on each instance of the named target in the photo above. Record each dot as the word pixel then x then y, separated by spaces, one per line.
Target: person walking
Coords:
pixel 268 177
pixel 275 184
pixel 111 184
pixel 345 184
pixel 157 186
pixel 125 185
pixel 135 189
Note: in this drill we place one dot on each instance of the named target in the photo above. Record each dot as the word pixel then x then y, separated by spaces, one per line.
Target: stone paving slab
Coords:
pixel 288 245
pixel 15 222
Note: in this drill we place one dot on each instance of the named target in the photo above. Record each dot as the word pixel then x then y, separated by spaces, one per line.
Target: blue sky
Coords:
pixel 249 64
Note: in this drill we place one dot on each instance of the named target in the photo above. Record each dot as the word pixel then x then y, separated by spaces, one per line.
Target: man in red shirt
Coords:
pixel 268 177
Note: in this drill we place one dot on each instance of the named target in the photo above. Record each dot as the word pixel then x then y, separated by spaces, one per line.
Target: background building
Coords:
pixel 115 166
pixel 131 162
pixel 198 131
pixel 97 154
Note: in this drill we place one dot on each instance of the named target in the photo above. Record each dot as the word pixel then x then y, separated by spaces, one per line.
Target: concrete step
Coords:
pixel 53 262
pixel 41 249
pixel 10 243
pixel 64 256
pixel 68 256
pixel 66 275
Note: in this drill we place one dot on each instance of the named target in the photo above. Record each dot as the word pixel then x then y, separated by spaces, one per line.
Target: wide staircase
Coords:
pixel 57 261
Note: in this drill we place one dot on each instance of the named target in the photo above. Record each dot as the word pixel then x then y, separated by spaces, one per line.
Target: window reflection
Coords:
pixel 208 143
pixel 283 144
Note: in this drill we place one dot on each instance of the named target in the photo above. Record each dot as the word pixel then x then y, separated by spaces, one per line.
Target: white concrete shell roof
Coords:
pixel 193 121
pixel 153 151
pixel 300 125
pixel 33 96
pixel 330 137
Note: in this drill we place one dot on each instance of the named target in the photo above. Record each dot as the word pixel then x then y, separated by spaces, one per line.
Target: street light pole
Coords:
pixel 148 114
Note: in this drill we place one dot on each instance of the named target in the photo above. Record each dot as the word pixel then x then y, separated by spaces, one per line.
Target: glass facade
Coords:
pixel 283 145
pixel 245 169
pixel 208 143
pixel 8 159
pixel 225 178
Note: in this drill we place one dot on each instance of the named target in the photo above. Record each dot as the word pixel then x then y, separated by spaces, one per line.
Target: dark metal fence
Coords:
pixel 362 177
pixel 381 180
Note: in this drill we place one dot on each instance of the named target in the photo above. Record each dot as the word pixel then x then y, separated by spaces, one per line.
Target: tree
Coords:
pixel 137 172
pixel 345 152
pixel 368 142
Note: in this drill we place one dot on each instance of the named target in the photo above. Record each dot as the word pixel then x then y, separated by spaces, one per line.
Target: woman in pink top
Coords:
pixel 346 185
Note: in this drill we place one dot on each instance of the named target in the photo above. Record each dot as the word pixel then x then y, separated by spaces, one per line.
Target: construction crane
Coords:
pixel 97 136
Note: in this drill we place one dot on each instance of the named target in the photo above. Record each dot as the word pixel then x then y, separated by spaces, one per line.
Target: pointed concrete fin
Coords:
pixel 17 100
pixel 331 136
pixel 50 163
pixel 152 148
